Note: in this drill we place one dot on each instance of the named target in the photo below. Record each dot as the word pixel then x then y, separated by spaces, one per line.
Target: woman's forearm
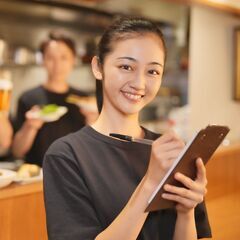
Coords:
pixel 23 140
pixel 129 222
pixel 185 228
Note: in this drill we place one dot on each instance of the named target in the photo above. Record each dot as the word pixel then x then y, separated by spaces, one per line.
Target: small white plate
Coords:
pixel 50 117
pixel 27 180
pixel 6 177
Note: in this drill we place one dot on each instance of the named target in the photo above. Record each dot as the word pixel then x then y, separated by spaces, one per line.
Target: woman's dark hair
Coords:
pixel 58 37
pixel 123 28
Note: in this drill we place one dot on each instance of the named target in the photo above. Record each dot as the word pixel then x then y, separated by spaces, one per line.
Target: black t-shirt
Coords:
pixel 72 121
pixel 89 178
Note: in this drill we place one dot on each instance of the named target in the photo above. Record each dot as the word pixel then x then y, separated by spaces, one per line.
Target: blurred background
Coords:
pixel 200 63
pixel 25 24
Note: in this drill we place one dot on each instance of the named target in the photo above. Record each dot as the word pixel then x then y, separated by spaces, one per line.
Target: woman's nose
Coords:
pixel 139 81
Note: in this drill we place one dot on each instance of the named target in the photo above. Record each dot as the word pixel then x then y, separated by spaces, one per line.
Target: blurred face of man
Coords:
pixel 58 60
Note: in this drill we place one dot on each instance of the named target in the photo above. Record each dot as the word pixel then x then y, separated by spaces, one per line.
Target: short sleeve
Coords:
pixel 70 213
pixel 20 114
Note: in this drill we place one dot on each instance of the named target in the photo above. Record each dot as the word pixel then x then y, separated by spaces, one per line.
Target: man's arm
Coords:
pixel 6 132
pixel 24 137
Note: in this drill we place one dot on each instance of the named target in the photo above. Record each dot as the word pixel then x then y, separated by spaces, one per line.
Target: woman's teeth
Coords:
pixel 133 96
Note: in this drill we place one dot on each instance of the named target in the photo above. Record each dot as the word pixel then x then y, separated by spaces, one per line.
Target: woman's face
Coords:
pixel 132 73
pixel 58 60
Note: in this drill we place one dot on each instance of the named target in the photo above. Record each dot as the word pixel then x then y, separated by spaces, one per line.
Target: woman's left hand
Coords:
pixel 188 198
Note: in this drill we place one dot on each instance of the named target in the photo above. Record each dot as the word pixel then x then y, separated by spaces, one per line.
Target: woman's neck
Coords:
pixel 110 123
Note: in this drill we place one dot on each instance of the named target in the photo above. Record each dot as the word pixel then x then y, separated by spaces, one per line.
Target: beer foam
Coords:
pixel 5 84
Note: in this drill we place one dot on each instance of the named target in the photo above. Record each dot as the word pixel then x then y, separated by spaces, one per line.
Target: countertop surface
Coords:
pixel 16 189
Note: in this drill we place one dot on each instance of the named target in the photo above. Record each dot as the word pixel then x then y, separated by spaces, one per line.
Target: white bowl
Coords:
pixel 6 177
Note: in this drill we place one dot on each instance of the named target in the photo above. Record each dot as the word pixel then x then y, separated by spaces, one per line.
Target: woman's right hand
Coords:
pixel 165 150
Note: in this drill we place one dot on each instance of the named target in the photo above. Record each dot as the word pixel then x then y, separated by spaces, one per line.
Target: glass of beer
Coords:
pixel 5 91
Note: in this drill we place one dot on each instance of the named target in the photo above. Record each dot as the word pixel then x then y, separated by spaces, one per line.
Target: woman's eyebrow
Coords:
pixel 156 63
pixel 128 58
pixel 135 60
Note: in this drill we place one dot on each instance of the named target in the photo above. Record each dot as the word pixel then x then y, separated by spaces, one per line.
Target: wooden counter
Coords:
pixel 22 214
pixel 223 197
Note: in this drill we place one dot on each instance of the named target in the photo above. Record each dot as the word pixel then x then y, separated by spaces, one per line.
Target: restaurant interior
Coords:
pixel 200 86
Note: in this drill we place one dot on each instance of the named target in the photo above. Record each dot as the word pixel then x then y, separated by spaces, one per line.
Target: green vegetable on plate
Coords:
pixel 50 108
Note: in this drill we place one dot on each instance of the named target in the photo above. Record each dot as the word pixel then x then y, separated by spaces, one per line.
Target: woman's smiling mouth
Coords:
pixel 132 96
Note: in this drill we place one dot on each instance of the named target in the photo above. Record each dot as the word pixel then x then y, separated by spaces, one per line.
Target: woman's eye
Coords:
pixel 154 72
pixel 126 67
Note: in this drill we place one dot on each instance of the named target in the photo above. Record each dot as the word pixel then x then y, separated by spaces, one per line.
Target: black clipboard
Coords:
pixel 203 145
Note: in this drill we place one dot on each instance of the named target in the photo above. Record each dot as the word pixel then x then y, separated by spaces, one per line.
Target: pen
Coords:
pixel 131 139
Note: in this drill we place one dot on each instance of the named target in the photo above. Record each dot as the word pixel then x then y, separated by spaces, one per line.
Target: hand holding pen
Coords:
pixel 165 150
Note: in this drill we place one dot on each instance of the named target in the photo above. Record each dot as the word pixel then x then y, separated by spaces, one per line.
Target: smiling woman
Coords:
pixel 98 187
pixel 137 67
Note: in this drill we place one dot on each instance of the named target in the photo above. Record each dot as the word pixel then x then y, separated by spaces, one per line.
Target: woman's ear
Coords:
pixel 96 68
